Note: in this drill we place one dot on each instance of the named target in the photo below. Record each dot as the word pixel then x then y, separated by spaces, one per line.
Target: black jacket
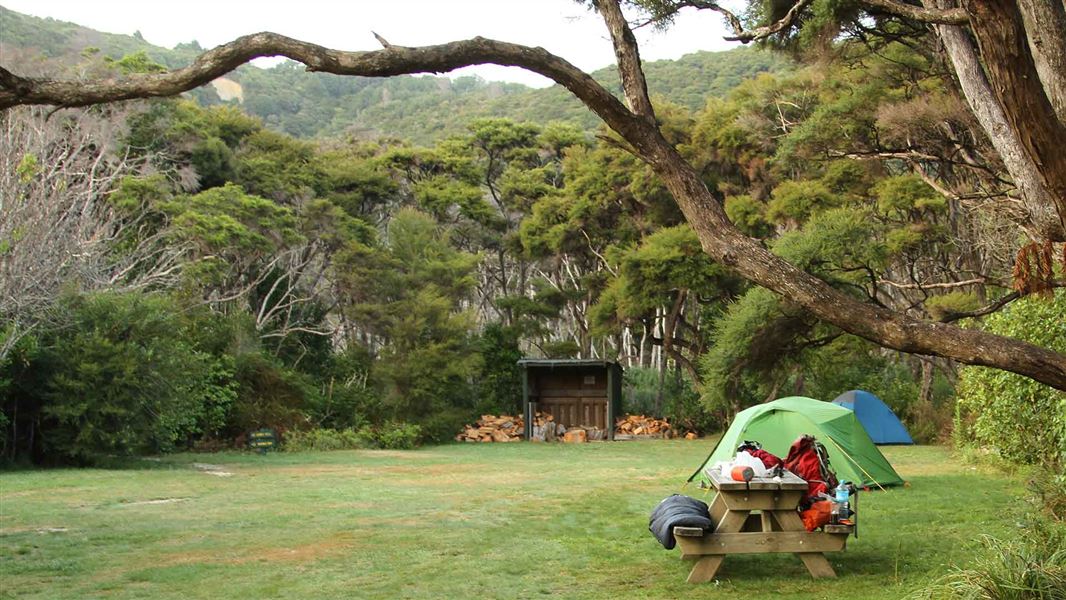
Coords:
pixel 677 510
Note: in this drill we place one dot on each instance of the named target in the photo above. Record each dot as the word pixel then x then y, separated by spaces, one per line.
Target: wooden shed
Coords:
pixel 577 392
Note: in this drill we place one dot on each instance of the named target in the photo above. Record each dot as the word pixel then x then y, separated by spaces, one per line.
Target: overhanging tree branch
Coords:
pixel 946 16
pixel 390 61
pixel 759 33
pixel 628 56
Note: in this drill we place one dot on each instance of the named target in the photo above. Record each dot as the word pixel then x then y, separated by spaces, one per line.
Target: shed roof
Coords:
pixel 553 363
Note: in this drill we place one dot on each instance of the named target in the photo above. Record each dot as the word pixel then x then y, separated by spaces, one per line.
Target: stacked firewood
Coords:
pixel 642 425
pixel 490 428
pixel 545 429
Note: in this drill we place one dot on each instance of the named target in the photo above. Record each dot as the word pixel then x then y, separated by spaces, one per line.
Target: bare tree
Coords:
pixel 635 122
pixel 57 228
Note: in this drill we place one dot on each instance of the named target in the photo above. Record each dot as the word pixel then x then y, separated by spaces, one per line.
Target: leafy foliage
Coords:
pixel 1017 418
pixel 121 376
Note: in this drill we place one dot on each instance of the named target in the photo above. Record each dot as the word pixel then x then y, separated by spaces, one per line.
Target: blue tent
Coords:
pixel 876 417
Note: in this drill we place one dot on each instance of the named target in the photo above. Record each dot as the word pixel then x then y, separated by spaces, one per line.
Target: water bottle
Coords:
pixel 841 500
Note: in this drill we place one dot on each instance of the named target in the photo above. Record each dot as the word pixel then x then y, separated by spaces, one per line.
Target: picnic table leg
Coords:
pixel 767 522
pixel 817 564
pixel 727 521
pixel 705 568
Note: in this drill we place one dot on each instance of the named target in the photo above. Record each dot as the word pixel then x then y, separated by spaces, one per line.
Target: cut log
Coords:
pixel 575 436
pixel 641 425
pixel 492 428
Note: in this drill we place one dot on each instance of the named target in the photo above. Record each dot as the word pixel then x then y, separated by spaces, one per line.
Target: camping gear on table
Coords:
pixel 808 459
pixel 758 517
pixel 745 459
pixel 880 423
pixel 677 511
pixel 755 449
pixel 818 515
pixel 742 473
pixel 841 494
pixel 776 424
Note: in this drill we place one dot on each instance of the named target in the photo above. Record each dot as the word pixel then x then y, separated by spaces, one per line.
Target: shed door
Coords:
pixel 575 398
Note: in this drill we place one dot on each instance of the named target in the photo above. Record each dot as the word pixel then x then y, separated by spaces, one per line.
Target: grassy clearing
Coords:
pixel 492 520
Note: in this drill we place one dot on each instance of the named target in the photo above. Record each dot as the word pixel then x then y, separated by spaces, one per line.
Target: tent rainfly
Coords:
pixel 883 426
pixel 777 424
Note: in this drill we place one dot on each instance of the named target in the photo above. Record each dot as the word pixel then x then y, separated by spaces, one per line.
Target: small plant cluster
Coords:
pixel 392 435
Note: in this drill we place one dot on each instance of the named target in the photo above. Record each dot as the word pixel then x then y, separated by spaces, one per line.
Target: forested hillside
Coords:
pixel 417 108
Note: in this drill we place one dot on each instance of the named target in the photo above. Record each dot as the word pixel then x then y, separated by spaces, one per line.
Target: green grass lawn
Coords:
pixel 458 521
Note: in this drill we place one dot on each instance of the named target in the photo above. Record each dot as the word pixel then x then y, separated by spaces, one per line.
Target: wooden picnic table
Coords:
pixel 757 517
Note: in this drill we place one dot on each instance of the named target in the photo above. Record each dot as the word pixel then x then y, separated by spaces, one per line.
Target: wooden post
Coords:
pixel 526 408
pixel 611 377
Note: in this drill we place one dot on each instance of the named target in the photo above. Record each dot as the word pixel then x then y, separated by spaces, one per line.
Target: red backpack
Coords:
pixel 808 459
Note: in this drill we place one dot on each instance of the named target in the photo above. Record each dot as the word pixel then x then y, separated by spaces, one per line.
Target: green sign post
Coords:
pixel 262 440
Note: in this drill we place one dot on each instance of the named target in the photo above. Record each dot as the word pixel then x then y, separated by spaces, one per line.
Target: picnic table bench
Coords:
pixel 757 517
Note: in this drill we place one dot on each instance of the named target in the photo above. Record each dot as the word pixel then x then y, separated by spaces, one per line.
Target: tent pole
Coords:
pixel 855 461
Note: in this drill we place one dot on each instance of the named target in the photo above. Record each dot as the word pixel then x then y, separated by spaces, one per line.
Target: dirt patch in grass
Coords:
pixel 300 554
pixel 423 473
pixel 154 501
pixel 297 554
pixel 6 531
pixel 401 454
pixel 348 470
pixel 216 470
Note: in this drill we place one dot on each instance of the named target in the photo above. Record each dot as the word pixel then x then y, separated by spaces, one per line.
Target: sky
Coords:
pixel 563 27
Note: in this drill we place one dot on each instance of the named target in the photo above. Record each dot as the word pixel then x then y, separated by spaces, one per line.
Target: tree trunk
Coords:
pixel 1045 26
pixel 1045 219
pixel 925 394
pixel 997 25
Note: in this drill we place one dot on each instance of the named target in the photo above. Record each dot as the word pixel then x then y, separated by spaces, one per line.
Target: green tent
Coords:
pixel 777 424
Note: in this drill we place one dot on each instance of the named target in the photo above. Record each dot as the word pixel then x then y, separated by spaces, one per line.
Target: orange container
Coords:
pixel 742 473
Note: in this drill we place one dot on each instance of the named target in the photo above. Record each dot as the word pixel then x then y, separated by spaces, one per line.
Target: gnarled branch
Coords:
pixel 387 62
pixel 944 16
pixel 628 56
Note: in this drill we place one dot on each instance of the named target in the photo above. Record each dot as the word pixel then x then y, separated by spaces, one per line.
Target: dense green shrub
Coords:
pixel 1013 416
pixel 269 395
pixel 121 377
pixel 392 435
pixel 348 395
pixel 640 386
pixel 499 385
pixel 684 409
pixel 441 425
pixel 321 439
